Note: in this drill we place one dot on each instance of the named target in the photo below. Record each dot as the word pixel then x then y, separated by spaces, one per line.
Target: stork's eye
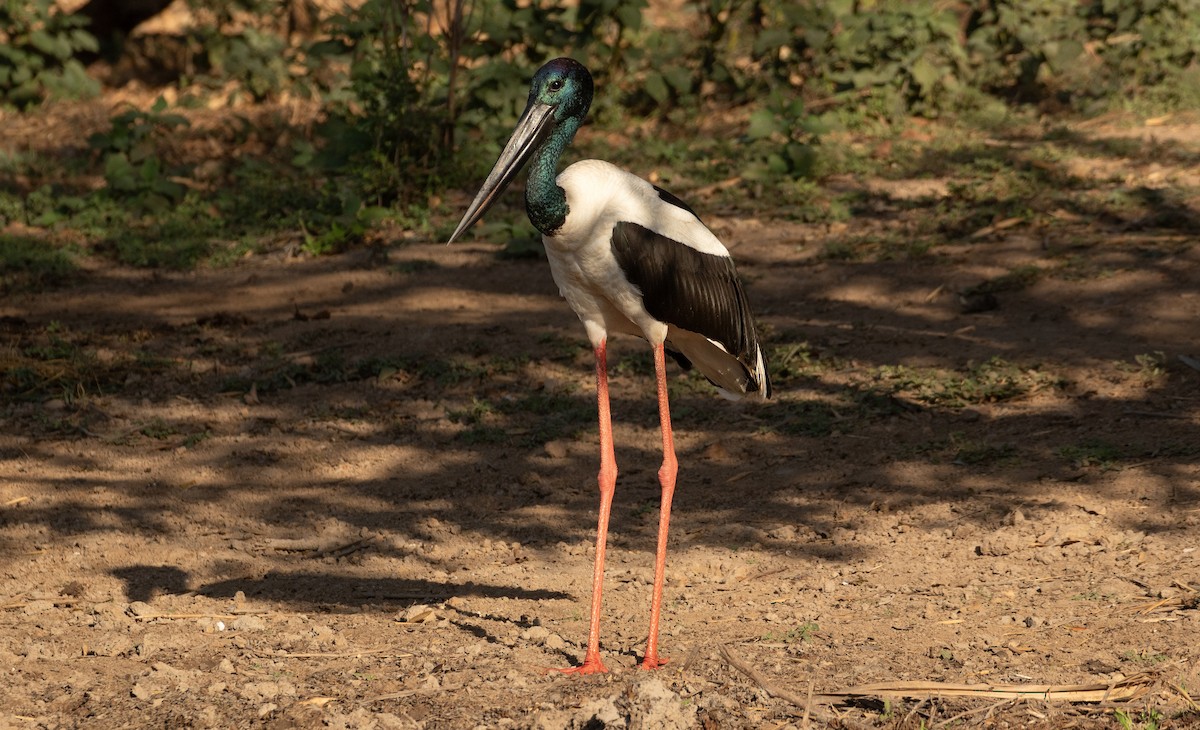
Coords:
pixel 556 85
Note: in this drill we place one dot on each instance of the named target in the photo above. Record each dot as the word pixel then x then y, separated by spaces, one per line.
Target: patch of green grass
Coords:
pixel 561 347
pixel 177 238
pixel 1144 657
pixel 958 449
pixel 1092 454
pixel 449 372
pixel 544 416
pixel 797 635
pixel 54 363
pixel 1149 719
pixel 197 438
pixel 1150 367
pixel 800 418
pixel 27 262
pixel 472 414
pixel 974 453
pixel 991 381
pixel 479 435
pixel 793 360
pixel 647 507
pixel 273 372
pixel 841 250
pixel 635 363
pixel 158 429
pixel 902 247
pixel 873 403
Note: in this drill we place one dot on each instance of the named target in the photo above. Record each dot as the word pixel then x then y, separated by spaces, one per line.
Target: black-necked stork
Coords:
pixel 628 257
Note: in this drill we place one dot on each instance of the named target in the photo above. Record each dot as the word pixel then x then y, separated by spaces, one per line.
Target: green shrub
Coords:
pixel 1148 48
pixel 1015 46
pixel 133 165
pixel 38 45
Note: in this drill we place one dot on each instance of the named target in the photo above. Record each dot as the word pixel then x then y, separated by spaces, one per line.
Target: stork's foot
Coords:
pixel 654 662
pixel 591 665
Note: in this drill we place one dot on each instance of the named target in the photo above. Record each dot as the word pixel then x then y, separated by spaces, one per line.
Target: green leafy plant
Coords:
pixel 787 137
pixel 904 54
pixel 1016 46
pixel 133 163
pixel 1148 47
pixel 38 45
pixel 245 41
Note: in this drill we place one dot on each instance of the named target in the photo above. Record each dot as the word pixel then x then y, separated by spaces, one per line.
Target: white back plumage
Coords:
pixel 599 197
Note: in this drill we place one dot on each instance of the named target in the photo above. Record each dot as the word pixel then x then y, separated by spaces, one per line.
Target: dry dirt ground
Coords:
pixel 359 491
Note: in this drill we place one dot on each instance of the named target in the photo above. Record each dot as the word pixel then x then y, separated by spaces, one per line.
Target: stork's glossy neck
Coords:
pixel 545 201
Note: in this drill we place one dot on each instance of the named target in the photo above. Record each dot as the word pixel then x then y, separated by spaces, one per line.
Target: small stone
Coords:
pixel 784 532
pixel 716 451
pixel 111 608
pixel 248 623
pixel 267 709
pixel 141 691
pixel 536 634
pixel 140 608
pixel 600 713
pixel 554 642
pixel 419 614
pixel 265 690
pixel 225 666
pixel 556 449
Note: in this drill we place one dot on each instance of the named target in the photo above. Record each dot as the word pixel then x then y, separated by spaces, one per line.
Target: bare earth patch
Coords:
pixel 359 491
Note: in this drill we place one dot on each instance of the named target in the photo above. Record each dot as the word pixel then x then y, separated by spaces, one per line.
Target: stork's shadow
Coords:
pixel 144 582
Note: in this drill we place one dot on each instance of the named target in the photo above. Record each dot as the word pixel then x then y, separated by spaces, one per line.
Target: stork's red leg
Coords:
pixel 666 478
pixel 608 485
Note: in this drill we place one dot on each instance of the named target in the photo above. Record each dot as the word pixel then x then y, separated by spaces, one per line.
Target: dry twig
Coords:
pixel 913 711
pixel 334 655
pixel 773 691
pixel 988 709
pixel 1123 690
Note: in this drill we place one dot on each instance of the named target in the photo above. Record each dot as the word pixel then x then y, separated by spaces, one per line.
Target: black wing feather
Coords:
pixel 689 289
pixel 674 200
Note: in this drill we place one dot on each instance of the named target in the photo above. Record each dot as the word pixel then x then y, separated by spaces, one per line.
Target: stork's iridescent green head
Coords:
pixel 559 98
pixel 564 84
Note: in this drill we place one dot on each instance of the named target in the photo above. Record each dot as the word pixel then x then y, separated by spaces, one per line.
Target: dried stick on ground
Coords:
pixel 783 694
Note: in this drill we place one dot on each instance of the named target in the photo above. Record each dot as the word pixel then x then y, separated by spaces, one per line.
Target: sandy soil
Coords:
pixel 359 491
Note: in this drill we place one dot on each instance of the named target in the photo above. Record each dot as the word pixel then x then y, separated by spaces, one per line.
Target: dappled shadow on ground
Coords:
pixel 449 385
pixel 372 477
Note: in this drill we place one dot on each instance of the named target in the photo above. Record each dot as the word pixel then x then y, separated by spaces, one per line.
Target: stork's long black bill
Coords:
pixel 534 126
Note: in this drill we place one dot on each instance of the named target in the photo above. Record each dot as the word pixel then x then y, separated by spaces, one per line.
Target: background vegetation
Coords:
pixel 414 97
